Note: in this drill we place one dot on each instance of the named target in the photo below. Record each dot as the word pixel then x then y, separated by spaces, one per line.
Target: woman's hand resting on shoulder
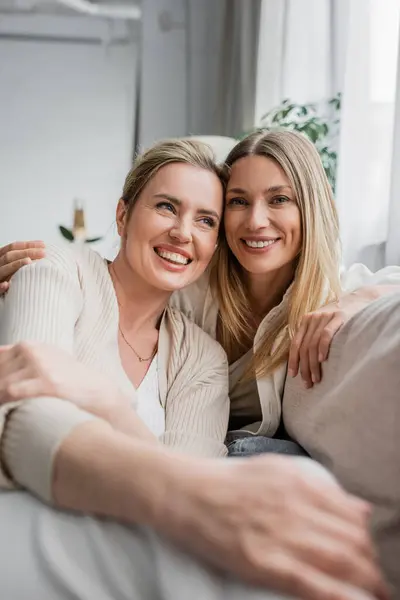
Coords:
pixel 311 343
pixel 17 255
pixel 30 370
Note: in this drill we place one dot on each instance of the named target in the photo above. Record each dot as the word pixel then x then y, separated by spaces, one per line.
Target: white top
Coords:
pixel 198 304
pixel 148 404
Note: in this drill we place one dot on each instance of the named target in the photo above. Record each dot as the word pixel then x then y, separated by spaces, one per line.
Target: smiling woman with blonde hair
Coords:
pixel 276 295
pixel 114 317
pixel 312 264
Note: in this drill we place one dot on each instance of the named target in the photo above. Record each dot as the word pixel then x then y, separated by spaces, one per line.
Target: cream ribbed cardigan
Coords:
pixel 68 299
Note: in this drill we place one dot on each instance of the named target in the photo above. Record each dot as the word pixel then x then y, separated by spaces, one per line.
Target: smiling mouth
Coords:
pixel 255 244
pixel 173 257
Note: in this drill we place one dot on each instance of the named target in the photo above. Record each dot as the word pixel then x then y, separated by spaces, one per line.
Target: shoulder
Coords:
pixel 59 257
pixel 77 261
pixel 58 267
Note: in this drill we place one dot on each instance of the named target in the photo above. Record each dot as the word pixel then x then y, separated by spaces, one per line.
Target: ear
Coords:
pixel 121 217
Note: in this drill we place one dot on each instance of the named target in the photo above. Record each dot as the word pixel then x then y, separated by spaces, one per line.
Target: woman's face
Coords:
pixel 262 218
pixel 172 231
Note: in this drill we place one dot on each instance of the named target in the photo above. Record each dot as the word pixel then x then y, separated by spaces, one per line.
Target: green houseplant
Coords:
pixel 318 121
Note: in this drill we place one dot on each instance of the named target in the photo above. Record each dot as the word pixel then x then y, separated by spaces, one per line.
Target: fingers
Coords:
pixel 340 561
pixel 300 580
pixel 308 350
pixel 10 356
pixel 22 388
pixel 327 336
pixel 342 531
pixel 294 354
pixel 333 501
pixel 14 371
pixel 311 344
pixel 12 260
pixel 4 287
pixel 21 246
pixel 309 354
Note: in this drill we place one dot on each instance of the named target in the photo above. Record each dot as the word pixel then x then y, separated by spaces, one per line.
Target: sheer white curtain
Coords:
pixel 367 125
pixel 295 55
pixel 310 50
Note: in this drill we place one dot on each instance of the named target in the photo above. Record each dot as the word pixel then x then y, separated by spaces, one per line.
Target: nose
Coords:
pixel 258 216
pixel 181 231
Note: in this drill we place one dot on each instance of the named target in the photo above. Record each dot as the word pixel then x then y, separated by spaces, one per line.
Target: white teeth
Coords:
pixel 173 257
pixel 259 244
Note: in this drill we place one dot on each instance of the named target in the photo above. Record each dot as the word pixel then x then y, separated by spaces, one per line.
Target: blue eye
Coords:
pixel 166 205
pixel 237 202
pixel 279 200
pixel 209 222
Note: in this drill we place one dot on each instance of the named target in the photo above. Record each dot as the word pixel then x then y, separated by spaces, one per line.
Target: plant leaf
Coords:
pixel 66 233
pixel 91 240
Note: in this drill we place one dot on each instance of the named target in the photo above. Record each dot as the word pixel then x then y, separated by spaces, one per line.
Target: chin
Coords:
pixel 169 284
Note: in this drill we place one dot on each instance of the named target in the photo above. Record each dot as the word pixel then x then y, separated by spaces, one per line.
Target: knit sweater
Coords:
pixel 68 299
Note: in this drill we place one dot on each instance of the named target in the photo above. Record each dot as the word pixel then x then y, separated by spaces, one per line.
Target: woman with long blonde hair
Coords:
pixel 275 292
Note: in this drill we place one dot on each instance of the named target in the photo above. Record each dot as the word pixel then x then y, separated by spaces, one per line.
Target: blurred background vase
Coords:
pixel 79 228
pixel 78 233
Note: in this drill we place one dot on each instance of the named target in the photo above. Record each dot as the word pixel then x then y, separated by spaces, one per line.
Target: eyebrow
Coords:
pixel 178 202
pixel 272 189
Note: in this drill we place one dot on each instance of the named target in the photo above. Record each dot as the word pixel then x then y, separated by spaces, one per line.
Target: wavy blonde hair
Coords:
pixel 190 152
pixel 316 279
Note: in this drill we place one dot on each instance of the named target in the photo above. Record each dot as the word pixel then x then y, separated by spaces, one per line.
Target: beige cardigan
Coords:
pixel 68 299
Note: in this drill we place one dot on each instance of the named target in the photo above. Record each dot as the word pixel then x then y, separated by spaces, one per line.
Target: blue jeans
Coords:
pixel 258 444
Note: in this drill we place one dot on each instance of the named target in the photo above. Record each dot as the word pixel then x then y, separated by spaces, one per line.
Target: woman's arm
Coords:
pixel 312 545
pixel 310 345
pixel 32 370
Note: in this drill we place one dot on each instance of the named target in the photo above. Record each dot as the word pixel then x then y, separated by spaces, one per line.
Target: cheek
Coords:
pixel 144 226
pixel 292 224
pixel 207 246
pixel 296 230
pixel 232 222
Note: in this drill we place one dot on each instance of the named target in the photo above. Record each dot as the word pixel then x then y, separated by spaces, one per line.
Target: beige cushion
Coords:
pixel 350 422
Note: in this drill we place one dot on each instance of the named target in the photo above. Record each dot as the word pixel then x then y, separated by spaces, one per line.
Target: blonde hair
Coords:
pixel 316 279
pixel 145 167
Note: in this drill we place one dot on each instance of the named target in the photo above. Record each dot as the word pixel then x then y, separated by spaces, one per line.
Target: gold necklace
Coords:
pixel 141 359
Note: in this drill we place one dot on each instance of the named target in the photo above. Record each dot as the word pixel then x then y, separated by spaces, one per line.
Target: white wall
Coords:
pixel 66 125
